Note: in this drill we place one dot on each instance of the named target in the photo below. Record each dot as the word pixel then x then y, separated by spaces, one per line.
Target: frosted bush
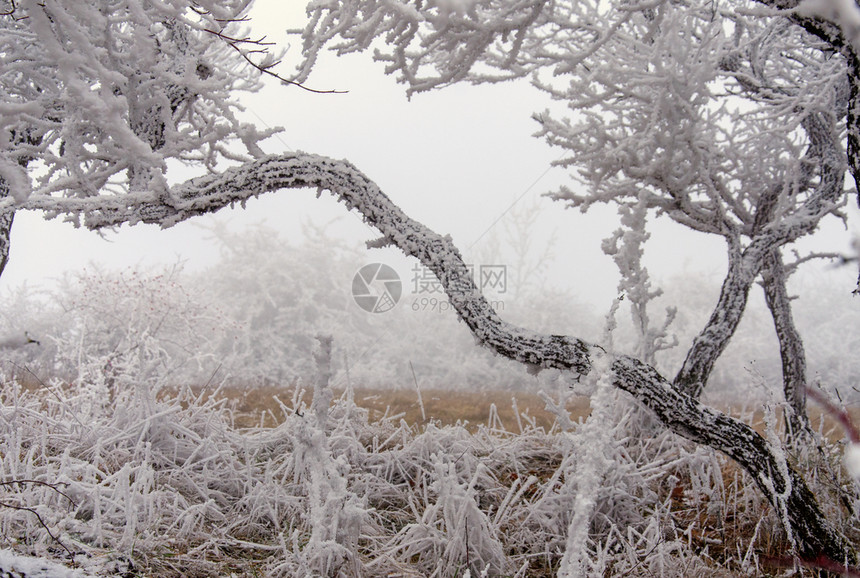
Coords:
pixel 114 90
pixel 130 329
pixel 453 535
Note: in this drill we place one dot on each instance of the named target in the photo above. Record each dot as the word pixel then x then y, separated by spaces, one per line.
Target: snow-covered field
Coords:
pixel 166 486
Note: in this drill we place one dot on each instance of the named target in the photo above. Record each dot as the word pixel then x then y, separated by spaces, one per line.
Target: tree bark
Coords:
pixel 710 343
pixel 791 349
pixel 853 120
pixel 6 218
pixel 786 490
pixel 7 215
pixel 680 412
pixel 766 235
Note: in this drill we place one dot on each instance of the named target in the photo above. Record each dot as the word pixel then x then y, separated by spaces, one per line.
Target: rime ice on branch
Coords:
pixel 98 95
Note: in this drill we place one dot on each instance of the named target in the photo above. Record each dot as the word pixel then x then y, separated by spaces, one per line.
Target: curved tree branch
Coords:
pixel 680 412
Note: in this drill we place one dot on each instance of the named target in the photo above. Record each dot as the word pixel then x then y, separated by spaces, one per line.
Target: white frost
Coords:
pixel 16 180
pixel 12 564
pixel 852 460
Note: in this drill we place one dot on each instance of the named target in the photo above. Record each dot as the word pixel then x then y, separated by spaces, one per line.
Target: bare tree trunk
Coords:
pixel 679 411
pixel 713 339
pixel 790 345
pixel 6 218
pixel 784 487
pixel 853 120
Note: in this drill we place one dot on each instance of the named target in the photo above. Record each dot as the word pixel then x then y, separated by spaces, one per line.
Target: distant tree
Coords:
pixel 280 295
pixel 652 86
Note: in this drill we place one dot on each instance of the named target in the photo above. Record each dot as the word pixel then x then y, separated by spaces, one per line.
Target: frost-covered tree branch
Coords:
pixel 837 25
pixel 626 247
pixel 99 95
pixel 676 409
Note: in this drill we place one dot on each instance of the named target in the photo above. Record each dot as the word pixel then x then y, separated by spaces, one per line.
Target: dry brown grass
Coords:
pixel 255 406
pixel 258 406
pixel 821 421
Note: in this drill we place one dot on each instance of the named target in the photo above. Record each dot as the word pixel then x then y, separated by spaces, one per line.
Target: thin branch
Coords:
pixel 35 513
pixel 799 259
pixel 40 483
pixel 235 44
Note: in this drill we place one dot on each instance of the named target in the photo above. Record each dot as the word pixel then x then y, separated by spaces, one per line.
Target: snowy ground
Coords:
pixel 166 486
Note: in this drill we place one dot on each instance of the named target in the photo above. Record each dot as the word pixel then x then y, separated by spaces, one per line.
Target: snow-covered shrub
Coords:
pixel 453 535
pixel 280 296
pixel 113 91
pixel 131 329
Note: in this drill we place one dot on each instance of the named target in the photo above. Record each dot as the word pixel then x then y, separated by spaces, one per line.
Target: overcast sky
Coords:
pixel 457 160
